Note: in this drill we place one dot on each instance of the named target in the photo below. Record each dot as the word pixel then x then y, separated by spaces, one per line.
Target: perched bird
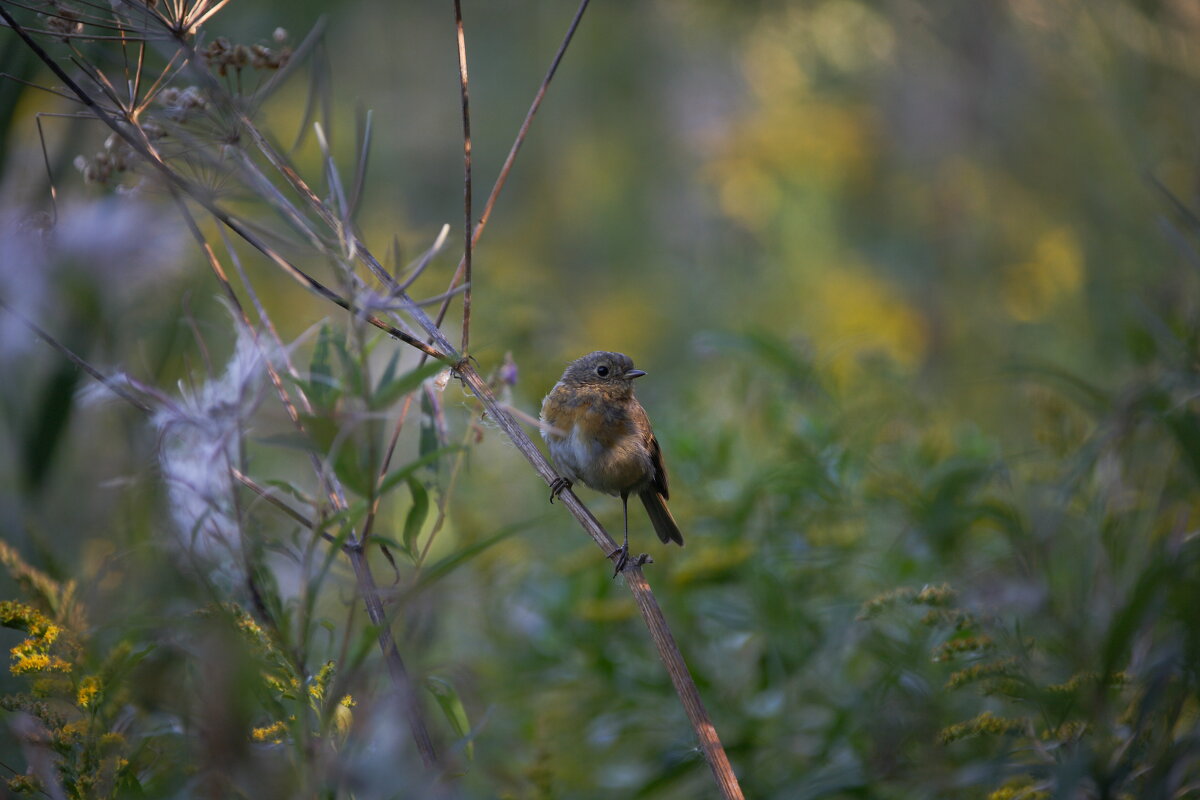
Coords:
pixel 598 433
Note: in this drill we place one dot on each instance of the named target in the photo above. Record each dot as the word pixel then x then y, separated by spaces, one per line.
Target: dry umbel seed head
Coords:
pixel 63 20
pixel 117 156
pixel 181 103
pixel 222 56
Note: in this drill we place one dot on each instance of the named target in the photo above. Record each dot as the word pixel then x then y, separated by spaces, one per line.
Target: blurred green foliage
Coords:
pixel 915 283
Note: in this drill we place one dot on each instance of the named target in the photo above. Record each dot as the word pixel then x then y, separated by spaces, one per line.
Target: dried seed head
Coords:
pixel 64 20
pixel 115 157
pixel 260 56
pixel 192 98
pixel 222 56
pixel 180 103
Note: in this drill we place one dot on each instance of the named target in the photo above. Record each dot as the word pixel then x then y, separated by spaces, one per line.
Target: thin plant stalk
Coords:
pixel 522 132
pixel 468 237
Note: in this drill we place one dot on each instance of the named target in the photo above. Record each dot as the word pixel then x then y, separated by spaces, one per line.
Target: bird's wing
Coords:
pixel 642 422
pixel 660 469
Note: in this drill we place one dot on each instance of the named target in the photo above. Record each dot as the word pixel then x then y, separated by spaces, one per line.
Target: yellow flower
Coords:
pixel 343 717
pixel 1003 668
pixel 32 655
pixel 855 313
pixel 72 732
pixel 24 784
pixel 939 595
pixel 272 734
pixel 986 723
pixel 966 644
pixel 1054 271
pixel 89 688
pixel 321 682
pixel 27 660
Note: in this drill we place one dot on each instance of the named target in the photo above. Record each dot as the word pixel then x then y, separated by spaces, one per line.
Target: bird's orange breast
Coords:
pixel 590 422
pixel 594 414
pixel 599 444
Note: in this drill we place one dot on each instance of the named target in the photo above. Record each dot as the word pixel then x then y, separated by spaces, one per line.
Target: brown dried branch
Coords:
pixel 502 178
pixel 468 238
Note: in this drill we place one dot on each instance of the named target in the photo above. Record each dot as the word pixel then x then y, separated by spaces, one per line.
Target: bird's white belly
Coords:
pixel 578 454
pixel 623 467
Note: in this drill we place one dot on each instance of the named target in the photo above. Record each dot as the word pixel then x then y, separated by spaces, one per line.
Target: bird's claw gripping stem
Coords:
pixel 558 486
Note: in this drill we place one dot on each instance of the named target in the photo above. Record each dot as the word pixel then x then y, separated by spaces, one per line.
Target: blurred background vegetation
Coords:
pixel 915 283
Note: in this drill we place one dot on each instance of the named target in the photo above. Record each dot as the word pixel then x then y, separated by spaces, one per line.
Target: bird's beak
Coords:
pixel 633 373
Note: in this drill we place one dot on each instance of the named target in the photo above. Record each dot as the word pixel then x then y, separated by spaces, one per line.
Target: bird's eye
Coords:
pixel 602 371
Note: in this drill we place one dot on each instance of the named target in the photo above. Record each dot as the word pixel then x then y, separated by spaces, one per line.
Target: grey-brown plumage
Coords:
pixel 599 434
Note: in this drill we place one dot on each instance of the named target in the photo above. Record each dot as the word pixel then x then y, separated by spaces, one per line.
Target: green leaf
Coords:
pixel 416 515
pixel 322 430
pixel 430 442
pixel 288 488
pixel 352 367
pixel 367 639
pixel 40 440
pixel 402 473
pixel 452 707
pixel 321 388
pixel 331 554
pixel 351 465
pixel 391 389
pixel 1088 395
pixel 385 541
pixel 446 565
pixel 389 372
pixel 393 478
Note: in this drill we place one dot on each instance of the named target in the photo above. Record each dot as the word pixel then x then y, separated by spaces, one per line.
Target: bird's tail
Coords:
pixel 664 524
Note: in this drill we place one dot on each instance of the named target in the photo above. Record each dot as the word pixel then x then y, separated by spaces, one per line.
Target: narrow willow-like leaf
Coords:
pixel 359 507
pixel 321 386
pixel 415 519
pixel 390 390
pixel 454 711
pixel 446 565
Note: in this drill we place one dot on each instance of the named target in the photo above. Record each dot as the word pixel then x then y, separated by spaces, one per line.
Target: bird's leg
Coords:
pixel 624 561
pixel 558 486
pixel 623 550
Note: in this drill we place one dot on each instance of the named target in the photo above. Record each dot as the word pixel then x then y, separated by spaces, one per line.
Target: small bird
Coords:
pixel 598 433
